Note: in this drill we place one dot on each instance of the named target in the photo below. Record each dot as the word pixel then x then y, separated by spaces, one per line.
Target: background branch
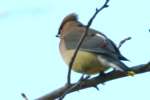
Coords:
pixel 94 82
pixel 24 96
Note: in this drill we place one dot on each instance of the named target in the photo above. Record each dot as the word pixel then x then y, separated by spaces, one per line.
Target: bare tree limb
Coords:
pixel 94 82
pixel 82 39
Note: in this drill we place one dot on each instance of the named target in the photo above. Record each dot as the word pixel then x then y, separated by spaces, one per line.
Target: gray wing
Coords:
pixel 95 42
pixel 99 43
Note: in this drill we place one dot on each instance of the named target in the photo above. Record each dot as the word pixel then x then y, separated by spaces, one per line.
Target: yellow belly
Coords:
pixel 85 62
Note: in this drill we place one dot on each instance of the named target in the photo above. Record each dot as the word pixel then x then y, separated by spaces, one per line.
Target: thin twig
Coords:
pixel 24 96
pixel 82 39
pixel 123 41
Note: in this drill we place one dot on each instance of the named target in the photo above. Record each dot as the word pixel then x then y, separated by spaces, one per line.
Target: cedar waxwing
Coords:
pixel 97 52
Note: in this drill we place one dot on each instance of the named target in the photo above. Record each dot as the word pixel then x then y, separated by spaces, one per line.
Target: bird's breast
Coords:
pixel 85 62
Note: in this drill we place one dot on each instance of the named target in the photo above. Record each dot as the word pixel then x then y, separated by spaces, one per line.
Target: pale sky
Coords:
pixel 29 57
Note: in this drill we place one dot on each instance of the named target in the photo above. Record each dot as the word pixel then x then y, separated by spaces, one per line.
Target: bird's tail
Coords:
pixel 122 67
pixel 123 58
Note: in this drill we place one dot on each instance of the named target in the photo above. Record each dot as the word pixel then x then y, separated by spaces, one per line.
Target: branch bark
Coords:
pixel 93 82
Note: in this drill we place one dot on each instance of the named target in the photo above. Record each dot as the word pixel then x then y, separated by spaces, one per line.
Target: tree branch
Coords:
pixel 94 82
pixel 82 39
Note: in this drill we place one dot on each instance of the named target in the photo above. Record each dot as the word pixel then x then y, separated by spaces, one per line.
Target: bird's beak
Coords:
pixel 58 34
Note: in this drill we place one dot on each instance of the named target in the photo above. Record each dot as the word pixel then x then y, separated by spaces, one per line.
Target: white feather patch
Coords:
pixel 99 35
pixel 106 63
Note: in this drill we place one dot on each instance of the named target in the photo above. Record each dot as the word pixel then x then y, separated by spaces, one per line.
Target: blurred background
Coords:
pixel 29 57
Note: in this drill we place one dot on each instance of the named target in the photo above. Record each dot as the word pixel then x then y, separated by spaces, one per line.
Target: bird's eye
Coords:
pixel 80 25
pixel 92 34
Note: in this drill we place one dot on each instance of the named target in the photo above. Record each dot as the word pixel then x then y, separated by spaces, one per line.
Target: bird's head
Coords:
pixel 69 18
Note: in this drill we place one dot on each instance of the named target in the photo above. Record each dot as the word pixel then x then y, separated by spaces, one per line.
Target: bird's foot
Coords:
pixel 101 74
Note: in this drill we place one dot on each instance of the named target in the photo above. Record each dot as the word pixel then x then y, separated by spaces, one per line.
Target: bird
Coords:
pixel 97 53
